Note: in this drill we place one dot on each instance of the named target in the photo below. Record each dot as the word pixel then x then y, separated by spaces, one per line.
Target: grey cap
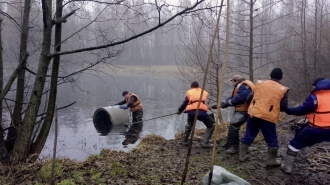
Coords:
pixel 236 77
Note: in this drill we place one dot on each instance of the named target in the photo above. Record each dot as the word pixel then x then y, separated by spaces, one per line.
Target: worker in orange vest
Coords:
pixel 242 88
pixel 317 109
pixel 268 98
pixel 133 102
pixel 190 105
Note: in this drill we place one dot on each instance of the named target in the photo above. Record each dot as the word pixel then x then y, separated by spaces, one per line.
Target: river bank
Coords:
pixel 159 161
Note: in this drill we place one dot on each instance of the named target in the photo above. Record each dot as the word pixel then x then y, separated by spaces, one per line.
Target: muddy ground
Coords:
pixel 160 161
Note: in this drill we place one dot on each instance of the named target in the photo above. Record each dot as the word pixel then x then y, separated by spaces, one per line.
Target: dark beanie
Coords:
pixel 194 84
pixel 317 81
pixel 276 73
pixel 124 93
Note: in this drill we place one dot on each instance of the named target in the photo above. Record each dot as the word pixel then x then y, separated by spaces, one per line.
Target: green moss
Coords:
pixel 78 176
pixel 45 172
pixel 66 182
pixel 117 169
pixel 97 177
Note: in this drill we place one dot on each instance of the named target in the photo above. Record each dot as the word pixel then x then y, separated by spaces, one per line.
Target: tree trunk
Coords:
pixel 21 149
pixel 315 38
pixel 2 142
pixel 17 114
pixel 43 134
pixel 304 37
pixel 251 42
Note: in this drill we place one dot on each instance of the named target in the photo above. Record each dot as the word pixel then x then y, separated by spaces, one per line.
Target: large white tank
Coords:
pixel 105 117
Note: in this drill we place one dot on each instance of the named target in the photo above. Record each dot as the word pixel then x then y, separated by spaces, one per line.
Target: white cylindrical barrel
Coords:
pixel 110 115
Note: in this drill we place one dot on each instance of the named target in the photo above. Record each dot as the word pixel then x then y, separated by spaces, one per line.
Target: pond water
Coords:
pixel 77 136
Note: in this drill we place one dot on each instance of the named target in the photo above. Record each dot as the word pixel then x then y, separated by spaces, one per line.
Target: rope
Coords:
pixel 152 118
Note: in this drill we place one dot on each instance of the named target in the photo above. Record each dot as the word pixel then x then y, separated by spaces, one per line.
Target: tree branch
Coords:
pixel 130 38
pixel 64 18
pixel 13 77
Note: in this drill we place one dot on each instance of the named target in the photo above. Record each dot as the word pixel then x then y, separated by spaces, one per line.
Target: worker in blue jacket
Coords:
pixel 317 110
pixel 242 88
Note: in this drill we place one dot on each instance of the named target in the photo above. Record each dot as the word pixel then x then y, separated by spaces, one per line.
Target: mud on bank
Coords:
pixel 160 161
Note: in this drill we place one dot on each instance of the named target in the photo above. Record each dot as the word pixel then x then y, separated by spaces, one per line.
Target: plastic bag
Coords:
pixel 223 177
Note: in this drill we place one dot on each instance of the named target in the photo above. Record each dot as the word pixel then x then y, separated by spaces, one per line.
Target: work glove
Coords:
pixel 214 106
pixel 123 107
pixel 224 104
pixel 178 112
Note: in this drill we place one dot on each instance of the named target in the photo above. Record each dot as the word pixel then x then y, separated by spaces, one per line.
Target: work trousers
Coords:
pixel 268 129
pixel 203 117
pixel 309 136
pixel 238 119
pixel 137 116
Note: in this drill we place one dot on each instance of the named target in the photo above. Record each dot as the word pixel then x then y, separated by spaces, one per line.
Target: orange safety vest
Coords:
pixel 193 96
pixel 266 100
pixel 321 116
pixel 137 105
pixel 244 106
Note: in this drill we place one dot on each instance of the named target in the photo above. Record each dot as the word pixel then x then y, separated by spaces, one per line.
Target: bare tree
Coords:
pixel 23 146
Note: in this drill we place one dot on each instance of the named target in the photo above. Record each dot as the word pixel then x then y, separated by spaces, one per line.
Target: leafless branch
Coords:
pixel 64 18
pixel 130 38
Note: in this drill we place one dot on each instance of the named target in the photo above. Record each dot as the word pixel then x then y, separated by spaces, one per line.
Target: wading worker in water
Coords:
pixel 133 102
pixel 242 88
pixel 317 109
pixel 269 97
pixel 190 105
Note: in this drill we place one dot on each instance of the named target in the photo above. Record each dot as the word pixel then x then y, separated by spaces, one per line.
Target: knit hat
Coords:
pixel 236 78
pixel 124 93
pixel 276 73
pixel 194 84
pixel 317 81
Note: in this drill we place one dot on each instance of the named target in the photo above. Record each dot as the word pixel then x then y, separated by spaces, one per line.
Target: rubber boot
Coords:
pixel 232 150
pixel 289 159
pixel 272 157
pixel 208 134
pixel 243 148
pixel 186 134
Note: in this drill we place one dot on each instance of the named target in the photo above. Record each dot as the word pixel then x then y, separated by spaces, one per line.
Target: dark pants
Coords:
pixel 137 116
pixel 268 129
pixel 203 117
pixel 238 119
pixel 310 136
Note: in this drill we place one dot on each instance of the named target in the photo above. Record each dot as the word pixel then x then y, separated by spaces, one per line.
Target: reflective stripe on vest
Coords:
pixel 137 105
pixel 321 116
pixel 193 96
pixel 266 100
pixel 244 106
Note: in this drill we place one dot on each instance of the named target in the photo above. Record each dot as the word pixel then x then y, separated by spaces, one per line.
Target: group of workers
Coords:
pixel 259 105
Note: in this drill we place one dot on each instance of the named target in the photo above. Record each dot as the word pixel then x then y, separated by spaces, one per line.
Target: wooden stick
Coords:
pixel 55 148
pixel 200 100
pixel 223 71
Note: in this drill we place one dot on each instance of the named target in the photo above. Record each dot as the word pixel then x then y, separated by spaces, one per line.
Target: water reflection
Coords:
pixel 78 138
pixel 104 126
